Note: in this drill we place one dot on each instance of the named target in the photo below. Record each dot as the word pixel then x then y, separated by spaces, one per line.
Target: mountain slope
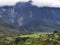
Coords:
pixel 29 18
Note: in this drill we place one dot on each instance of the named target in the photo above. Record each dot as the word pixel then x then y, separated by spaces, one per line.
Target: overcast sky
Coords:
pixel 11 2
pixel 39 3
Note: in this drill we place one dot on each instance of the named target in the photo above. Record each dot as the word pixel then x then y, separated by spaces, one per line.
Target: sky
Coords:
pixel 10 2
pixel 49 3
pixel 39 3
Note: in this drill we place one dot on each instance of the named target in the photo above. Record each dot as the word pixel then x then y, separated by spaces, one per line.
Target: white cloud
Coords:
pixel 49 3
pixel 10 2
pixel 39 3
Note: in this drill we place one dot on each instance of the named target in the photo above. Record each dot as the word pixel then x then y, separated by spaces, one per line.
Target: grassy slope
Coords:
pixel 4 31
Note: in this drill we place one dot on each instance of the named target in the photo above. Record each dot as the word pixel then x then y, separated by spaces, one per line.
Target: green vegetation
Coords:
pixel 7 30
pixel 42 38
pixel 4 32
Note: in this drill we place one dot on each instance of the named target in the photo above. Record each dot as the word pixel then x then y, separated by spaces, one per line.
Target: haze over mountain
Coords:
pixel 24 15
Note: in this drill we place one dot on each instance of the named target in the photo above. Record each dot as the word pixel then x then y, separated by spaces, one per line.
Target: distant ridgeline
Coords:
pixel 28 18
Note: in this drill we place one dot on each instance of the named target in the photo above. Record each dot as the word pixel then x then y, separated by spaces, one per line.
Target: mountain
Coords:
pixel 29 18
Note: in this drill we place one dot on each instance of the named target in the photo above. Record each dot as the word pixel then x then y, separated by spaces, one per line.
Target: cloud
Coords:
pixel 49 3
pixel 39 3
pixel 11 2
